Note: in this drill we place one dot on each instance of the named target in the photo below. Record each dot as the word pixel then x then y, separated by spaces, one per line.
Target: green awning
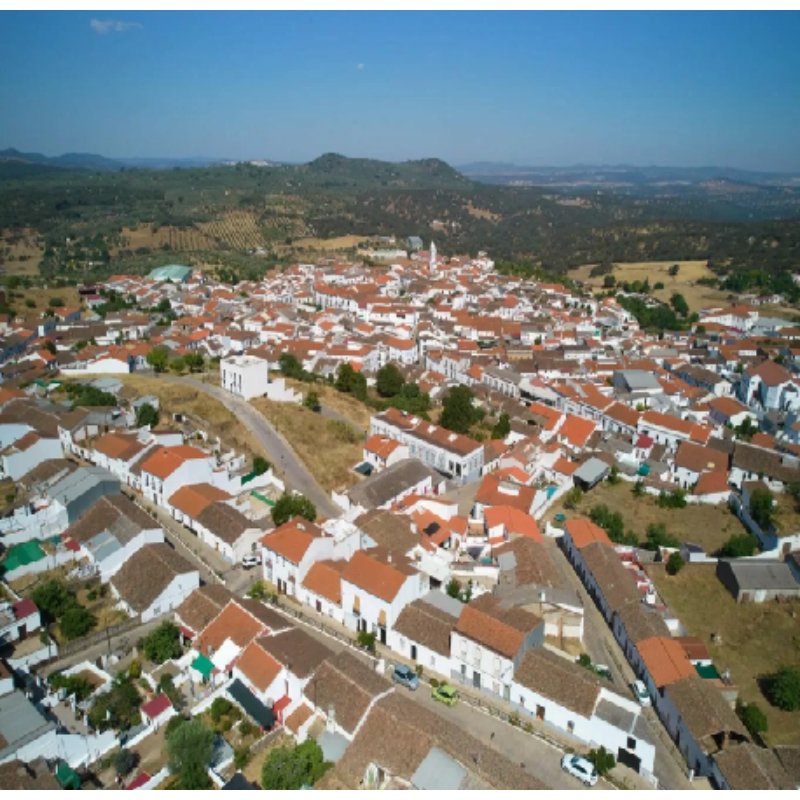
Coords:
pixel 203 665
pixel 262 498
pixel 707 671
pixel 67 777
pixel 24 553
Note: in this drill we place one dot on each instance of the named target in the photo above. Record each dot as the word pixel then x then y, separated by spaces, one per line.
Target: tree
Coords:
pixel 603 761
pixel 146 415
pixel 294 767
pixel 609 282
pixel 502 427
pixel 289 366
pixel 293 505
pixel 753 718
pixel 657 536
pixel 158 357
pixel 761 507
pixel 746 429
pixel 194 361
pixel 260 465
pixel 76 622
pixel 50 346
pixel 389 380
pixel 572 498
pixel 162 643
pixel 189 749
pixel 349 381
pixel 52 597
pixel 674 563
pixel 673 270
pixel 56 302
pixel 783 688
pixel 453 588
pixel 613 475
pixel 638 489
pixel 177 365
pixel 117 708
pixel 678 302
pixel 312 401
pixel 458 413
pixel 739 546
pixel 366 639
pixel 124 762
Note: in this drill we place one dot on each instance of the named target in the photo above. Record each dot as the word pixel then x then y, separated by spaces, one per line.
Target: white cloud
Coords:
pixel 103 26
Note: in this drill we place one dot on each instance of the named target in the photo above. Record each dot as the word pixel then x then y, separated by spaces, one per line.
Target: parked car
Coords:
pixel 405 676
pixel 445 693
pixel 251 560
pixel 642 695
pixel 580 768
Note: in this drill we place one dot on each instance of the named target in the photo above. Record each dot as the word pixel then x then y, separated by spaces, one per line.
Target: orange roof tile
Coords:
pixel 584 532
pixel 258 666
pixel 325 579
pixel 513 520
pixel 373 576
pixel 665 659
pixel 233 623
pixel 193 499
pixel 292 539
pixel 166 460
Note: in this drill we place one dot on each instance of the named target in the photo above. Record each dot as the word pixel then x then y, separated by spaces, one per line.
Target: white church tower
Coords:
pixel 432 260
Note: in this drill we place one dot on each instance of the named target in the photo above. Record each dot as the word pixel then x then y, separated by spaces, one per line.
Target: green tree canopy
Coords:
pixel 753 718
pixel 294 767
pixel 350 381
pixel 289 366
pixel 502 427
pixel 783 688
pixel 389 380
pixel 75 622
pixel 674 563
pixel 762 507
pixel 158 358
pixel 311 400
pixel 162 643
pixel 293 505
pixel 189 748
pixel 458 413
pixel 146 415
pixel 739 546
pixel 260 465
pixel 52 597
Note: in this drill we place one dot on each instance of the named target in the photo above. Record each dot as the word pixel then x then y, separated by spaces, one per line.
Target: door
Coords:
pixel 382 634
pixel 629 759
pixel 413 652
pixel 476 680
pixel 539 712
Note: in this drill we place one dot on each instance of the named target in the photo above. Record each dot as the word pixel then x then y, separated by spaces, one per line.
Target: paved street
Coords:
pixel 286 463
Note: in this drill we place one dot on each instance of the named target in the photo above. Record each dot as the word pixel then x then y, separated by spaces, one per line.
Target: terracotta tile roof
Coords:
pixel 325 579
pixel 712 483
pixel 426 625
pixel 665 659
pixel 258 666
pixel 382 446
pixel 698 458
pixel 292 539
pixel 584 532
pixel 296 650
pixel 233 623
pixel 203 605
pixel 577 430
pixel 493 491
pixel 120 446
pixel 513 520
pixel 564 466
pixel 748 766
pixel 376 577
pixel 193 499
pixel 298 717
pixel 502 630
pixel 165 461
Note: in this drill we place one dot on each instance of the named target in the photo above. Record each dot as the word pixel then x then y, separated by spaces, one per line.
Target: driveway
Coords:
pixel 285 461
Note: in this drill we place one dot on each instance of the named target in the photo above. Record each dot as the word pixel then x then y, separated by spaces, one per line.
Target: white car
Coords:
pixel 640 690
pixel 251 560
pixel 580 768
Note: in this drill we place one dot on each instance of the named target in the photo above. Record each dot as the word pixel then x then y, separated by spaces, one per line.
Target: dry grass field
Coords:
pixel 41 297
pixel 204 409
pixel 178 239
pixel 685 282
pixel 20 252
pixel 704 525
pixel 757 638
pixel 329 448
pixel 346 405
pixel 340 243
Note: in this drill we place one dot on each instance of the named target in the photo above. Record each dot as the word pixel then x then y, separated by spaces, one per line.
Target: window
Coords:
pixel 631 743
pixel 570 726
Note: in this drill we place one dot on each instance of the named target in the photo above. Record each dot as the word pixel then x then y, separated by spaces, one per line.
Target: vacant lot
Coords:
pixel 345 404
pixel 202 409
pixel 20 252
pixel 330 245
pixel 757 638
pixel 329 448
pixel 787 514
pixel 707 526
pixel 41 297
pixel 685 282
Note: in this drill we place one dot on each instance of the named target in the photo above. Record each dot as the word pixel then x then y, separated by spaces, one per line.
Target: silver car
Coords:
pixel 580 768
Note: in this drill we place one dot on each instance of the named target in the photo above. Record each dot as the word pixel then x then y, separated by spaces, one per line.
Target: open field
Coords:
pixel 329 448
pixel 41 297
pixel 757 638
pixel 787 513
pixel 336 243
pixel 685 282
pixel 704 525
pixel 20 252
pixel 185 399
pixel 345 404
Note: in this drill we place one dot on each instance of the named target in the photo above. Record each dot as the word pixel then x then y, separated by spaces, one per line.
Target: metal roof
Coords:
pixel 77 483
pixel 438 771
pixel 20 722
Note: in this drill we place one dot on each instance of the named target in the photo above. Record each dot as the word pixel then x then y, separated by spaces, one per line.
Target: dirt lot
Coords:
pixel 685 282
pixel 757 638
pixel 329 448
pixel 345 404
pixel 20 252
pixel 707 526
pixel 41 298
pixel 253 769
pixel 787 515
pixel 184 399
pixel 329 245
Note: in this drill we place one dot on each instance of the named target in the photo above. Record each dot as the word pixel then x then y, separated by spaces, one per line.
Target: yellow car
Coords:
pixel 445 693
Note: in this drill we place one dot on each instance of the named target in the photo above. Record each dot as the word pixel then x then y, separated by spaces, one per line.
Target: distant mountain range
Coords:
pixel 622 176
pixel 97 162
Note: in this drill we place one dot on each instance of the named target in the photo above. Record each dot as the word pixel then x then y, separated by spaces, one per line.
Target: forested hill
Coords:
pixel 89 221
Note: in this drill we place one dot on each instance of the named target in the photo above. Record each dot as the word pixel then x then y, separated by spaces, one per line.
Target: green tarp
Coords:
pixel 262 498
pixel 707 671
pixel 67 777
pixel 20 554
pixel 644 469
pixel 203 666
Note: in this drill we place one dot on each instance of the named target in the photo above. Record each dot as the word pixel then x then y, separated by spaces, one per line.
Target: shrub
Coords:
pixel 220 707
pixel 572 498
pixel 585 660
pixel 513 719
pixel 783 688
pixel 294 767
pixel 246 728
pixel 739 546
pixel 603 761
pixel 434 682
pixel 366 640
pixel 241 756
pixel 76 622
pixel 162 643
pixel 673 499
pixel 674 564
pixel 752 717
pixel 135 670
pixel 528 727
pixel 124 761
pixel 91 595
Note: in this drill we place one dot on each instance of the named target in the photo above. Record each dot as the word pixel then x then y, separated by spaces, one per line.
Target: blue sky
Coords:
pixel 675 88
